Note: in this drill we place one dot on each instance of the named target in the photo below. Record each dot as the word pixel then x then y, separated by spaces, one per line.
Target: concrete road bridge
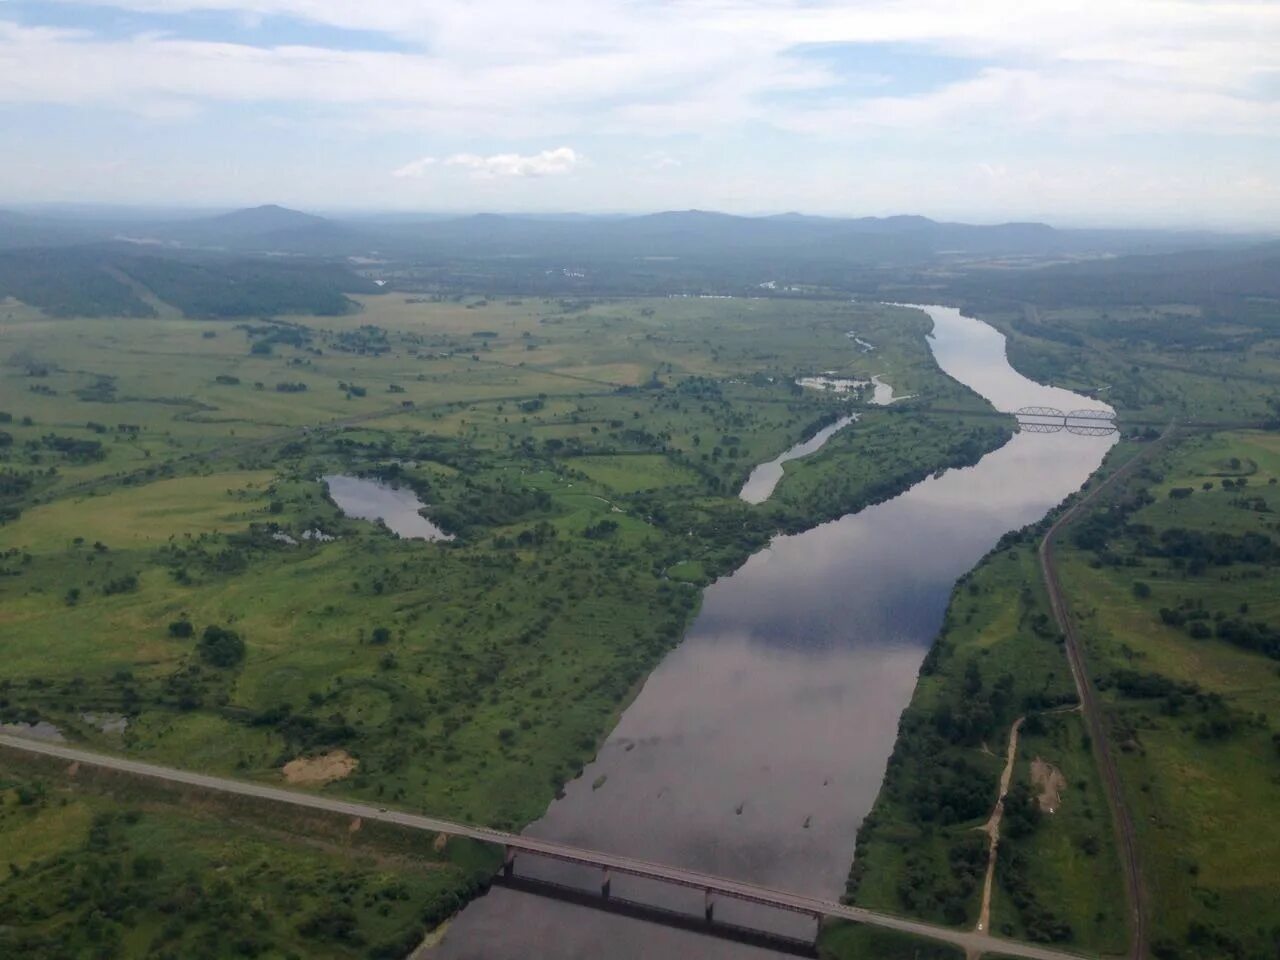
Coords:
pixel 515 845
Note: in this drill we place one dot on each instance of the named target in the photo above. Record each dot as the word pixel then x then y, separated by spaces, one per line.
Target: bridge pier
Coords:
pixel 604 883
pixel 708 906
pixel 508 861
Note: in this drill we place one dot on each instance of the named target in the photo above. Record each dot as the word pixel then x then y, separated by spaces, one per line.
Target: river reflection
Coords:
pixel 758 745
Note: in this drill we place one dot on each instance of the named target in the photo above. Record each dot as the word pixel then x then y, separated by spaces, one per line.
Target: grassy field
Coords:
pixel 1193 701
pixel 159 477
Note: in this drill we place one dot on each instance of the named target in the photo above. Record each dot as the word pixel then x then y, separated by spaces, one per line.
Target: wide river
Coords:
pixel 758 745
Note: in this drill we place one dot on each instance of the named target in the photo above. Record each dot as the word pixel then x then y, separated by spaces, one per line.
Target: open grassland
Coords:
pixel 1177 592
pixel 160 477
pixel 142 516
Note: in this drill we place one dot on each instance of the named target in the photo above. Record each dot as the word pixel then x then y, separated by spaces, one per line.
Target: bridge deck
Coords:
pixel 970 941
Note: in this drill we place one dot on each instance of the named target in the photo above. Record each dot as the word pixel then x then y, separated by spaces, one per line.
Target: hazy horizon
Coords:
pixel 160 211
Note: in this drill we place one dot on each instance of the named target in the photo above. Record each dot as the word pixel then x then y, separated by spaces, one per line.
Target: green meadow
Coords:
pixel 1179 605
pixel 159 479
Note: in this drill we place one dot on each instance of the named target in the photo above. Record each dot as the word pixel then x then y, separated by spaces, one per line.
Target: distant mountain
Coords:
pixel 254 229
pixel 805 248
pixel 256 221
pixel 22 230
pixel 703 236
pixel 1225 279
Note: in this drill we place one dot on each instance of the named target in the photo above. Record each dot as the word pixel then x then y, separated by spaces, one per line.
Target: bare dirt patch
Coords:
pixel 323 768
pixel 1050 782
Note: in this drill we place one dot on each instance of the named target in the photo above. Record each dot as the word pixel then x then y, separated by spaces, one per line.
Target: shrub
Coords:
pixel 221 647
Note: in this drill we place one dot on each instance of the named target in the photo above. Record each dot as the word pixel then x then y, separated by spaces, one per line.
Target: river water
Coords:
pixel 758 745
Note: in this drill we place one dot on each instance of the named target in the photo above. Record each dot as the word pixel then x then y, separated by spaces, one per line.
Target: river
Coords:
pixel 757 746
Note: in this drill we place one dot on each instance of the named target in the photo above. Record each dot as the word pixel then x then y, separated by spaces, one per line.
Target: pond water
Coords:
pixel 757 746
pixel 830 383
pixel 397 507
pixel 766 476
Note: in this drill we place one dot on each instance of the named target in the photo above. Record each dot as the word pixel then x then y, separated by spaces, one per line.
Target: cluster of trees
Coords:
pixel 978 711
pixel 952 790
pixel 1040 922
pixel 1256 635
pixel 14 483
pixel 302 732
pixel 1197 549
pixel 602 530
pixel 925 890
pixel 367 339
pixel 102 390
pixel 1213 718
pixel 221 646
pixel 73 448
pixel 126 583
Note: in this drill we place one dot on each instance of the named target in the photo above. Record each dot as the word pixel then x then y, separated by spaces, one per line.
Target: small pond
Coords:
pixel 396 507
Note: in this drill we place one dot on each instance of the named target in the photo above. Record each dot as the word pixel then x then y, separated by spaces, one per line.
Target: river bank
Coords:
pixel 755 748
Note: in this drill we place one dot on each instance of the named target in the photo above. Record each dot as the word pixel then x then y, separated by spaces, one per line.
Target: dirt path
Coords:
pixel 992 827
pixel 1135 891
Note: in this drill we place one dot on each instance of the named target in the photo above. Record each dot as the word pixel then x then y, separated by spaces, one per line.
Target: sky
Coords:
pixel 1078 112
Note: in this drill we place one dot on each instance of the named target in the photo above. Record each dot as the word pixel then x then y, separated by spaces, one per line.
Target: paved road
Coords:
pixel 1135 892
pixel 972 942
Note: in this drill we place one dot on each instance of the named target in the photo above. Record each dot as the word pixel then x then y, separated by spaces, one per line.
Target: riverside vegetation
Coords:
pixel 1172 579
pixel 172 563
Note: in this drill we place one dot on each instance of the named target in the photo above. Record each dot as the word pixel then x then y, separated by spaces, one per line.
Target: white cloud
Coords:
pixel 547 163
pixel 415 168
pixel 718 78
pixel 619 66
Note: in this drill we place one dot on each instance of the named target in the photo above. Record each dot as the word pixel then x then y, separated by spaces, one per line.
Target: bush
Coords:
pixel 221 647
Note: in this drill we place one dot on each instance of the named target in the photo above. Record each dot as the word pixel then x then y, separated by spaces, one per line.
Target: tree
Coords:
pixel 221 646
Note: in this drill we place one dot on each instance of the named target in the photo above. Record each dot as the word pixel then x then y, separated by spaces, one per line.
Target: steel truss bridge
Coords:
pixel 1085 423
